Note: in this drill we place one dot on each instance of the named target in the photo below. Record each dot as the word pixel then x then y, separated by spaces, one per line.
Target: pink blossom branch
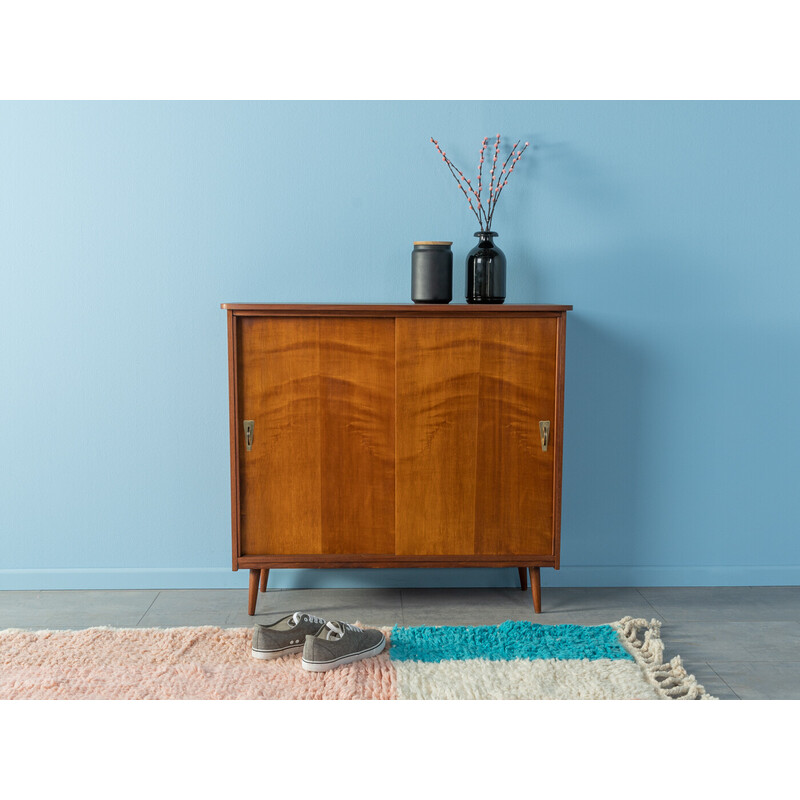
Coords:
pixel 480 168
pixel 453 169
pixel 469 184
pixel 497 194
pixel 491 183
pixel 500 177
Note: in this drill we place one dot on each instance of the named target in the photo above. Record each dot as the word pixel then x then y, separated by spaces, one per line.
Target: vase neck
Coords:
pixel 485 236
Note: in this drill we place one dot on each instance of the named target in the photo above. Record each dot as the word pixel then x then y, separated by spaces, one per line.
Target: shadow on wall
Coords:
pixel 603 459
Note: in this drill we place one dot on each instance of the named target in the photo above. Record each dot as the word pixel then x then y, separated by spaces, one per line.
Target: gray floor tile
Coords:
pixel 713 684
pixel 63 610
pixel 726 603
pixel 761 680
pixel 228 607
pixel 465 606
pixel 598 604
pixel 379 607
pixel 732 641
pixel 560 606
pixel 174 608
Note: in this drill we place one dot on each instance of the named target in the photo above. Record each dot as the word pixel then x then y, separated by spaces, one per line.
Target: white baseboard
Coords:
pixel 222 578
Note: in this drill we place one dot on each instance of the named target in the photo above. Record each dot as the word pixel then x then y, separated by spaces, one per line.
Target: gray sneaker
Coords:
pixel 285 636
pixel 339 643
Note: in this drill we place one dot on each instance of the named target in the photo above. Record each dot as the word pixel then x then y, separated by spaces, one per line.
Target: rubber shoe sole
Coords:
pixel 349 658
pixel 264 655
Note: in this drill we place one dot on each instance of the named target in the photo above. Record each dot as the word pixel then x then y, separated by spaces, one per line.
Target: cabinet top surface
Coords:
pixel 391 310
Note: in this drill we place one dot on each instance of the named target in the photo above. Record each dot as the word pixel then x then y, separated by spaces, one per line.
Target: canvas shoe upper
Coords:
pixel 339 643
pixel 285 636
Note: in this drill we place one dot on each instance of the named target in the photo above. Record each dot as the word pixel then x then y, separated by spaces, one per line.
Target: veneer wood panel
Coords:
pixel 280 477
pixel 357 429
pixel 437 402
pixel 320 475
pixel 514 488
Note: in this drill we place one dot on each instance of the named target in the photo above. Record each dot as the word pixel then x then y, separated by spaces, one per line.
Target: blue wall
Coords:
pixel 671 227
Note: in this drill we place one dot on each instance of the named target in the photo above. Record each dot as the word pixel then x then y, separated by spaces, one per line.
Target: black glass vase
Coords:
pixel 486 271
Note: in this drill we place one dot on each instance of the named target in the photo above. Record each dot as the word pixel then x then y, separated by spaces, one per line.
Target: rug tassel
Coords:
pixel 671 679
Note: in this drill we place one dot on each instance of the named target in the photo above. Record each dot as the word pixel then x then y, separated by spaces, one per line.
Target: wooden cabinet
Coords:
pixel 395 436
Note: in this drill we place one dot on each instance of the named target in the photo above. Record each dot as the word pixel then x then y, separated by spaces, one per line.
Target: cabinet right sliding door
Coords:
pixel 472 477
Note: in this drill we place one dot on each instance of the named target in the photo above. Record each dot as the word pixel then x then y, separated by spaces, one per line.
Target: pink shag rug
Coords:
pixel 200 663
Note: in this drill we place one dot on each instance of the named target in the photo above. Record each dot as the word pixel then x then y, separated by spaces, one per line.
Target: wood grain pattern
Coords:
pixel 437 400
pixel 278 378
pixel 357 406
pixel 389 310
pixel 471 475
pixel 326 560
pixel 559 434
pixel 536 589
pixel 320 475
pixel 252 592
pixel 234 441
pixel 514 489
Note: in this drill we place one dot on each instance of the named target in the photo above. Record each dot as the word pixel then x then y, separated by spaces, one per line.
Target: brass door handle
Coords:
pixel 544 433
pixel 249 424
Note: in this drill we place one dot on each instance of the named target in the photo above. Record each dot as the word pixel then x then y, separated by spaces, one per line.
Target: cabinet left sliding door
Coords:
pixel 319 475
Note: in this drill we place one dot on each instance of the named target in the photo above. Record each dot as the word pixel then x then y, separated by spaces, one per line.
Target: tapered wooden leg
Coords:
pixel 264 577
pixel 523 578
pixel 252 595
pixel 536 589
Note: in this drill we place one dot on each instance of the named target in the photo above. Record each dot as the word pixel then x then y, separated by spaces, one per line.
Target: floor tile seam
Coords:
pixel 755 661
pixel 158 593
pixel 656 612
pixel 717 621
pixel 723 680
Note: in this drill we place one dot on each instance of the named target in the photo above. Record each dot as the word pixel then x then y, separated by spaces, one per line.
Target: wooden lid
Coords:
pixel 432 243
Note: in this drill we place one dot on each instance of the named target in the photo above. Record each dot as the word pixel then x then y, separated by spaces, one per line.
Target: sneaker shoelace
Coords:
pixel 298 617
pixel 338 629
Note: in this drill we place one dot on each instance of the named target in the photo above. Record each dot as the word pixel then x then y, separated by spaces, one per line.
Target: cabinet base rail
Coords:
pixel 260 575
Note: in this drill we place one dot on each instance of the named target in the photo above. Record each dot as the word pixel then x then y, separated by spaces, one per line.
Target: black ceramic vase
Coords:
pixel 432 272
pixel 486 271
